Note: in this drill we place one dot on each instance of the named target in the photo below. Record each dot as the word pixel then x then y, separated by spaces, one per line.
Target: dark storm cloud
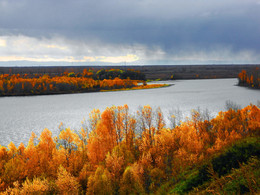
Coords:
pixel 172 25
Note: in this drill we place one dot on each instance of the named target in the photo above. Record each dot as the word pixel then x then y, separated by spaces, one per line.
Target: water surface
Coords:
pixel 19 116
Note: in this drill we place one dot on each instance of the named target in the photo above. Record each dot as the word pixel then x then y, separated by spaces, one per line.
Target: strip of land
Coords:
pixel 71 82
pixel 164 72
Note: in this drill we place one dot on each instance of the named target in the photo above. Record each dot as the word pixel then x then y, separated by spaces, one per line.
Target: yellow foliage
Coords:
pixel 122 154
pixel 131 182
pixel 66 183
pixel 100 182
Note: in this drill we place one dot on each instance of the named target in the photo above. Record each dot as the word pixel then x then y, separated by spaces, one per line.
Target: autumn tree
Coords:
pixel 100 182
pixel 113 159
pixel 66 183
pixel 131 182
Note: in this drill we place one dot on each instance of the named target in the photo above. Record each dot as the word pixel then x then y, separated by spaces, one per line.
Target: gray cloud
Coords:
pixel 172 27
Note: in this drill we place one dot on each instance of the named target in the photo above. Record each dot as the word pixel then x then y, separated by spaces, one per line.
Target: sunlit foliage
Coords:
pixel 122 152
pixel 87 81
pixel 250 79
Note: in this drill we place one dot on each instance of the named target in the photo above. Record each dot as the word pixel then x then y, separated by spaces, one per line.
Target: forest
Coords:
pixel 123 152
pixel 151 72
pixel 70 82
pixel 249 79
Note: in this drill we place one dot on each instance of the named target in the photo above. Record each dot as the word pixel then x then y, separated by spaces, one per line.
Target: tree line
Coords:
pixel 250 79
pixel 88 80
pixel 119 152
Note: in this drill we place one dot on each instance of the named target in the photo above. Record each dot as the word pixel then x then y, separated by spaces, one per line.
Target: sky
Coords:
pixel 135 32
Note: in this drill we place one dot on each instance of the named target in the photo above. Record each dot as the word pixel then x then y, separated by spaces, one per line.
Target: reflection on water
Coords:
pixel 22 115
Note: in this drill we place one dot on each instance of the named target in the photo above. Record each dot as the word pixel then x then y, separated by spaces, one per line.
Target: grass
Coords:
pixel 234 171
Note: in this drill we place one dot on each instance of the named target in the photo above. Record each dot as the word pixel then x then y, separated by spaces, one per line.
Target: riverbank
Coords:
pixel 21 115
pixel 148 86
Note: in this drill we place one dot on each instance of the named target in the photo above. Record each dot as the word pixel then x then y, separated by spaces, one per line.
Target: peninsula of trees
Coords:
pixel 70 82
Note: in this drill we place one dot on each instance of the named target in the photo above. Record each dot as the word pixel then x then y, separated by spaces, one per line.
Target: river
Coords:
pixel 19 116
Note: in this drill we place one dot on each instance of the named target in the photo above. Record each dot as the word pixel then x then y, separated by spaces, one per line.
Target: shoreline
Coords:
pixel 150 86
pixel 134 88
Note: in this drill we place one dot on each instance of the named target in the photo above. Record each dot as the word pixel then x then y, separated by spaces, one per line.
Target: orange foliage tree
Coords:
pixel 250 79
pixel 123 153
pixel 68 82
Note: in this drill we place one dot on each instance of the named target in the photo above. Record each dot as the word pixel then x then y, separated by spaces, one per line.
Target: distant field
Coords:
pixel 152 72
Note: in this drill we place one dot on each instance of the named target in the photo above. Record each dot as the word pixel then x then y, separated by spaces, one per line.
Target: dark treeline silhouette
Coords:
pixel 151 72
pixel 113 73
